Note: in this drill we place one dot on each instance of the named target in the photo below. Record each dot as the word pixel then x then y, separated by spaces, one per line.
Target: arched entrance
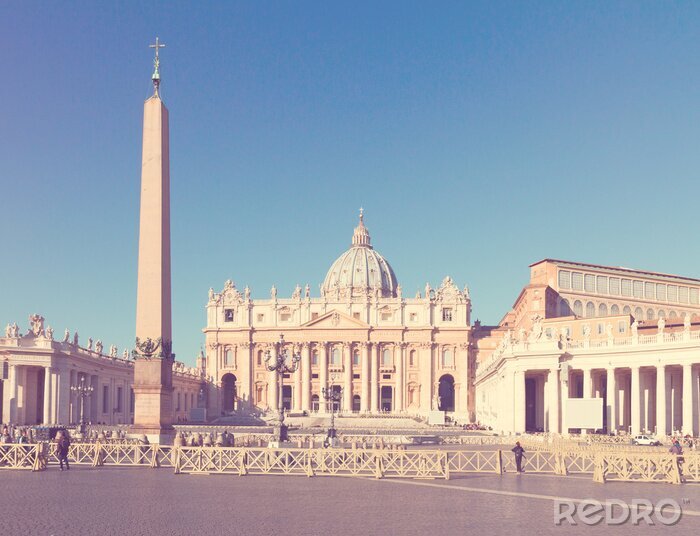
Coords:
pixel 446 393
pixel 314 403
pixel 356 403
pixel 228 386
pixel 386 398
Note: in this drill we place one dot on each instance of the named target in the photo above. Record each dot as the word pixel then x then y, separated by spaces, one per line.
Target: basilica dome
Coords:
pixel 360 270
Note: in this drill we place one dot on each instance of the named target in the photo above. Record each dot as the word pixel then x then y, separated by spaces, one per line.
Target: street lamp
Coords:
pixel 282 363
pixel 82 390
pixel 332 395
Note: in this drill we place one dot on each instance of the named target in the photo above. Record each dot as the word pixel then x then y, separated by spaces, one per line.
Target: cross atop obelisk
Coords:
pixel 156 66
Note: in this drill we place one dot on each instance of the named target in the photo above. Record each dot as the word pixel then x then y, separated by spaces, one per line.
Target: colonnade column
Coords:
pixel 398 396
pixel 374 380
pixel 9 395
pixel 323 377
pixel 635 401
pixel 553 400
pixel 364 400
pixel 611 393
pixel 272 380
pixel 63 398
pixel 306 377
pixel 47 395
pixel 347 384
pixel 587 383
pixel 688 399
pixel 297 383
pixel 661 400
pixel 519 401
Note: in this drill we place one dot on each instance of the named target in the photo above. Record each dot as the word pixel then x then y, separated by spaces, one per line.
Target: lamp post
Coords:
pixel 282 363
pixel 332 395
pixel 82 390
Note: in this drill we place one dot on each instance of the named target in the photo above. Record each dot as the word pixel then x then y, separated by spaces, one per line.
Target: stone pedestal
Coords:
pixel 153 386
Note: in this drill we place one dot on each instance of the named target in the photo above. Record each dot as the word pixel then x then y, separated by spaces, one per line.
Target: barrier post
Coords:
pixel 499 461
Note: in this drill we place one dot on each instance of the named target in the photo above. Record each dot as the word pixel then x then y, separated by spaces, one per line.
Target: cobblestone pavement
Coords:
pixel 140 501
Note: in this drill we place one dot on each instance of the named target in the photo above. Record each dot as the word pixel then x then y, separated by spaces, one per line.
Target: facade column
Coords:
pixel 374 375
pixel 298 389
pixel 347 383
pixel 519 401
pixel 323 377
pixel 688 399
pixel 364 400
pixel 635 401
pixel 272 380
pixel 64 397
pixel 553 401
pixel 611 400
pixel 399 388
pixel 306 377
pixel 564 378
pixel 661 400
pixel 46 419
pixel 426 388
pixel 9 396
pixel 244 362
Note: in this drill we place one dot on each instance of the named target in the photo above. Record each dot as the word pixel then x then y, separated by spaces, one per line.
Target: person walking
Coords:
pixel 62 446
pixel 519 454
pixel 677 451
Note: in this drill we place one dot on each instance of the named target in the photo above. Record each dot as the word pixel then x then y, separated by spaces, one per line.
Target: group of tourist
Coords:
pixel 12 434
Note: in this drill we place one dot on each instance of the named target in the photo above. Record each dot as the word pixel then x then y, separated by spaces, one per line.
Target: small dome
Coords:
pixel 360 270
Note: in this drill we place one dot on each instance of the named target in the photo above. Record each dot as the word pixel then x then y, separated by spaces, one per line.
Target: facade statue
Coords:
pixel 75 339
pixel 15 330
pixel 229 285
pixel 246 292
pixel 8 331
pixel 89 344
pixel 36 325
pixel 398 291
pixel 536 331
pixel 521 335
pixel 662 324
pixel 635 325
pixel 586 331
pixel 273 292
pixel 307 291
pixel 66 336
pixel 418 295
pixel 296 295
pixel 112 351
pixel 125 353
pixel 211 294
pixel 427 291
pixel 608 330
pixel 686 322
pixel 49 333
pixel 466 292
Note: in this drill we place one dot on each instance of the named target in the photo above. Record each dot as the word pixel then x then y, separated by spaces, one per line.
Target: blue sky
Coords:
pixel 479 137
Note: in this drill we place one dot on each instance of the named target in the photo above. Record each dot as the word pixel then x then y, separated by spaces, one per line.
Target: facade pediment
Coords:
pixel 335 320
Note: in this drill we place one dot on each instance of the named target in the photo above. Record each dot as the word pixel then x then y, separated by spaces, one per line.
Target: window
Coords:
pixel 356 316
pixel 600 328
pixel 314 316
pixel 566 330
pixel 601 284
pixel 386 315
pixel 578 308
pixel 335 356
pixel 638 289
pixel 105 399
pixel 228 315
pixel 314 357
pixel 447 358
pixel 260 357
pixel 413 317
pixel 694 295
pixel 621 326
pixel 627 310
pixel 261 317
pixel 447 314
pixel 626 287
pixel 672 291
pixel 564 279
pixel 660 292
pixel 285 317
pixel 356 358
pixel 602 310
pixel 614 286
pixel 649 291
pixel 177 408
pixel 119 400
pixel 227 357
pixel 673 314
pixel 590 310
pixel 661 314
pixel 577 281
pixel 589 283
pixel 412 358
pixel 650 314
pixel 386 358
pixel 614 310
pixel 638 314
pixel 683 294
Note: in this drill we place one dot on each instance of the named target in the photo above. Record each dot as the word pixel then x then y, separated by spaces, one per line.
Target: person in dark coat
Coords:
pixel 519 453
pixel 62 446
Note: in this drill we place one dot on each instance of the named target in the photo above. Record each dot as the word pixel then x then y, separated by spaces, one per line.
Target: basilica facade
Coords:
pixel 381 351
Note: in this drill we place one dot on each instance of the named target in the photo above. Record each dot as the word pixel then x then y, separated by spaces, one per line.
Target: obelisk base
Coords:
pixel 153 414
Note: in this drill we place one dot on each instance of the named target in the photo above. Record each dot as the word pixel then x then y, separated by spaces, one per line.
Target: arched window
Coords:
pixel 386 358
pixel 602 310
pixel 590 310
pixel 626 310
pixel 638 314
pixel 614 310
pixel 227 356
pixel 260 357
pixel 662 313
pixel 447 358
pixel 412 358
pixel 356 358
pixel 314 357
pixel 673 314
pixel 335 356
pixel 578 308
pixel 564 308
pixel 650 314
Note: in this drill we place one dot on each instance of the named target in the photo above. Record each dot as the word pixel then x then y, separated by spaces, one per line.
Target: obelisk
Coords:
pixel 153 354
